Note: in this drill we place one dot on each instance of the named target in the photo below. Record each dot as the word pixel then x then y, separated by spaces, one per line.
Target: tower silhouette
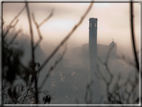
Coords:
pixel 93 42
pixel 95 88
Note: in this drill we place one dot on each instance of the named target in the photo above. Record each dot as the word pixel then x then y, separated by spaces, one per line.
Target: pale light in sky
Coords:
pixel 113 21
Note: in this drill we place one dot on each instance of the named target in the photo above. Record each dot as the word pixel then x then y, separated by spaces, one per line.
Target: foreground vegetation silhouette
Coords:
pixel 28 91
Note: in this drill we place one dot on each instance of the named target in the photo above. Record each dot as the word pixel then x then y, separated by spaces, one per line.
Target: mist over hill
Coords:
pixel 70 77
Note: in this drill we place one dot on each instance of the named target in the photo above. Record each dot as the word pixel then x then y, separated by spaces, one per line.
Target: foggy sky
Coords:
pixel 113 22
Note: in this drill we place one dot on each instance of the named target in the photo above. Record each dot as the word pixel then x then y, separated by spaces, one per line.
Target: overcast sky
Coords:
pixel 113 21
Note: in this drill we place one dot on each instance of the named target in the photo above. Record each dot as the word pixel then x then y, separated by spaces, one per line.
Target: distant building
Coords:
pixel 102 51
pixel 70 78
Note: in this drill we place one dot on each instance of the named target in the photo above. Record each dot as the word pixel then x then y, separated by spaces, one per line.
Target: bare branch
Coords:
pixel 52 67
pixel 31 32
pixel 118 79
pixel 101 75
pixel 9 27
pixel 46 19
pixel 32 53
pixel 19 31
pixel 106 66
pixel 127 60
pixel 110 74
pixel 10 24
pixel 2 22
pixel 133 36
pixel 67 37
pixel 39 25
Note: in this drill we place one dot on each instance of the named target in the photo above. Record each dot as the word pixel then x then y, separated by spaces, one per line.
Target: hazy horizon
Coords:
pixel 113 22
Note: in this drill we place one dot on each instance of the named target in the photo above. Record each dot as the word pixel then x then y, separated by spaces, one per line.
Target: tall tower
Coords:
pixel 93 42
pixel 96 93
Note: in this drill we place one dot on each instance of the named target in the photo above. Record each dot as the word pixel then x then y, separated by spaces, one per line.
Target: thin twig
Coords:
pixel 31 32
pixel 9 27
pixel 39 25
pixel 101 75
pixel 67 37
pixel 10 24
pixel 46 19
pixel 127 60
pixel 19 31
pixel 52 67
pixel 32 53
